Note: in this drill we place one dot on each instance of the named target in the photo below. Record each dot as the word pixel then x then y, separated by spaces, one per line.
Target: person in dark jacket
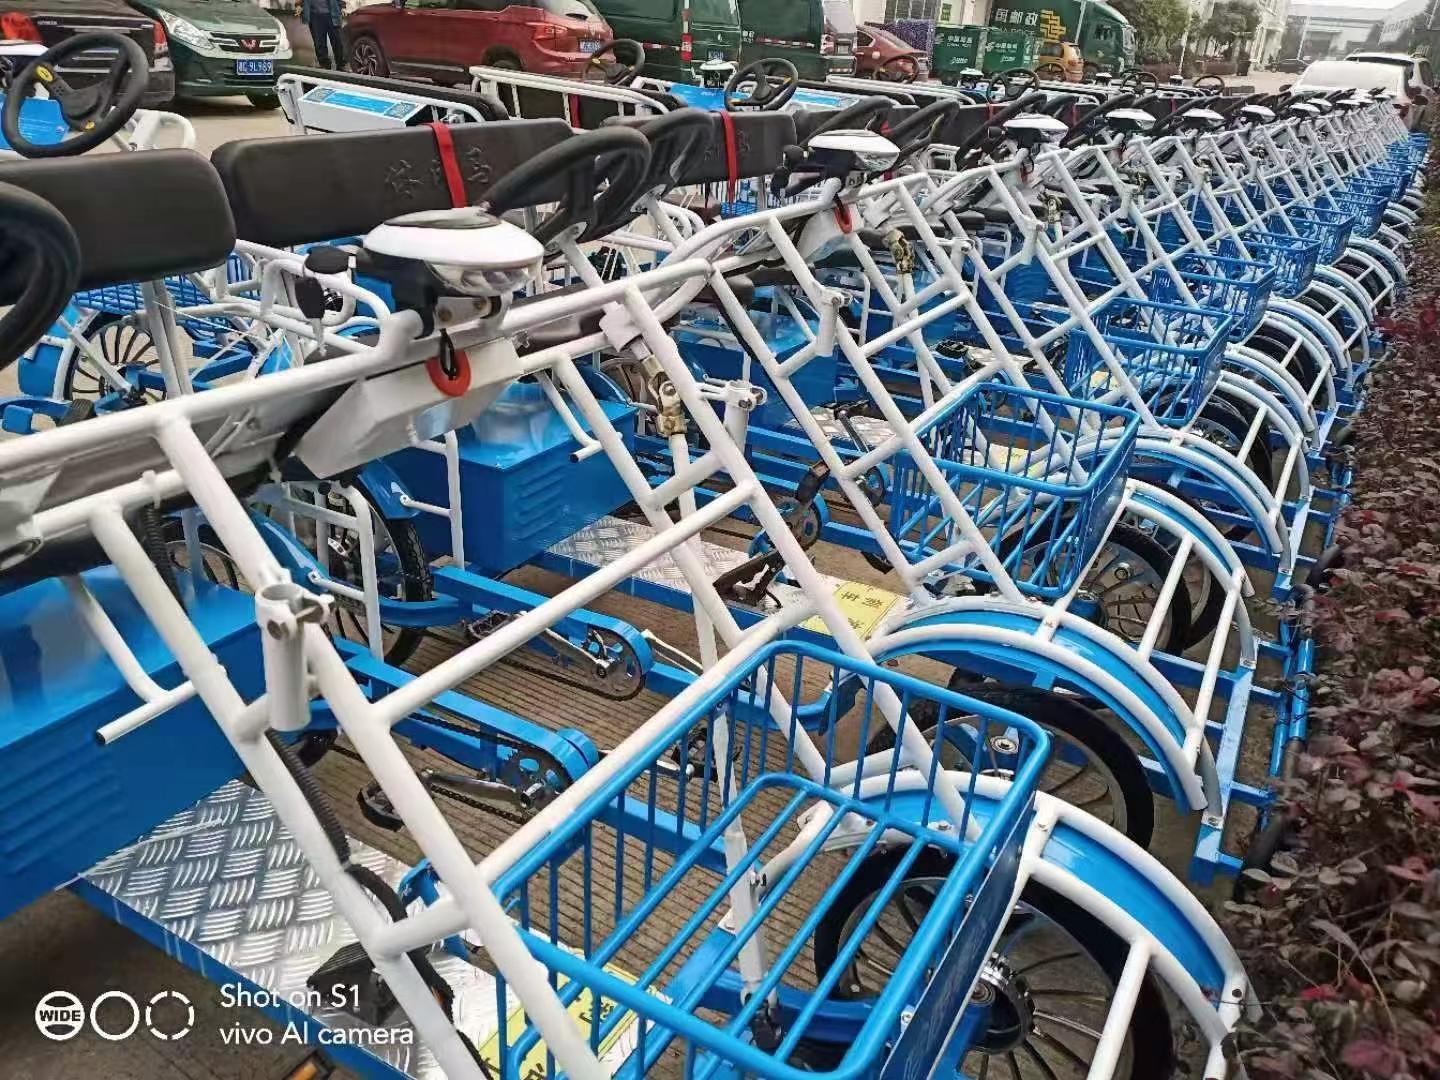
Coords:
pixel 323 19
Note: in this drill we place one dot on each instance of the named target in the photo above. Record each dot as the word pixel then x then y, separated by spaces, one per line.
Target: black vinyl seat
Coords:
pixel 358 180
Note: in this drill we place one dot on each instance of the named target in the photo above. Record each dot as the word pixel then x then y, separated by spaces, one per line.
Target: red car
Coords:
pixel 879 54
pixel 441 40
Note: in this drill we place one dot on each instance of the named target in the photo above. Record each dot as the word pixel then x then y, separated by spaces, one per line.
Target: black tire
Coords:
pixel 1147 549
pixel 414 580
pixel 1072 721
pixel 1205 608
pixel 367 57
pixel 1151 1037
pixel 415 585
pixel 266 100
pixel 1260 855
pixel 1227 420
pixel 1302 365
pixel 505 62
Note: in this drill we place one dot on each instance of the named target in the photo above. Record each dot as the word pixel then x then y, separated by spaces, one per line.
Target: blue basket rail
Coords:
pixel 1170 352
pixel 1293 257
pixel 1367 210
pixel 1331 228
pixel 1237 287
pixel 1029 469
pixel 625 902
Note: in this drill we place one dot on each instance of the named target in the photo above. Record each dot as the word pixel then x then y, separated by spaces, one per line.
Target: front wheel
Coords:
pixel 1051 976
pixel 1091 765
pixel 368 58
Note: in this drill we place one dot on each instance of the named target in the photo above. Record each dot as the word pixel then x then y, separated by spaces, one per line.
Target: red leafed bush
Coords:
pixel 1342 936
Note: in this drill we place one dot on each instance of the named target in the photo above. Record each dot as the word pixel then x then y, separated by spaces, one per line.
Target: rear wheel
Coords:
pixel 1050 978
pixel 505 62
pixel 125 344
pixel 367 57
pixel 402 569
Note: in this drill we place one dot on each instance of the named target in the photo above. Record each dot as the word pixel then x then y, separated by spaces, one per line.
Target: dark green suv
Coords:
pixel 222 47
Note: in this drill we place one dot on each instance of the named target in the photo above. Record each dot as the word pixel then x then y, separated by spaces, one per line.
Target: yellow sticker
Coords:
pixel 533 1068
pixel 43 73
pixel 864 605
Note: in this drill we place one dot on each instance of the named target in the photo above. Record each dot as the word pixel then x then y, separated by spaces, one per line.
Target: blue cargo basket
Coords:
pixel 1170 352
pixel 1040 474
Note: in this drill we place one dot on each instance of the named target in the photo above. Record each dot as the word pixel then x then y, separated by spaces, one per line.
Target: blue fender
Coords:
pixel 1129 890
pixel 383 486
pixel 1233 486
pixel 1094 866
pixel 998 639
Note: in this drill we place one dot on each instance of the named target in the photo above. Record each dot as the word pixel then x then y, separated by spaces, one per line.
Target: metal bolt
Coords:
pixel 1003 744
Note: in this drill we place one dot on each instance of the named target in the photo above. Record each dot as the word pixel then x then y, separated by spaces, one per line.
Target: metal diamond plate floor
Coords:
pixel 227 877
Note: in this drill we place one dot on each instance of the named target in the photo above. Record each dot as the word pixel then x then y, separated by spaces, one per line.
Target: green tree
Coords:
pixel 1159 26
pixel 1231 26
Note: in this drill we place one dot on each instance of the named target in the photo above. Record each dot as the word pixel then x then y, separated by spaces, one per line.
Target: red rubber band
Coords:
pixel 732 157
pixel 450 165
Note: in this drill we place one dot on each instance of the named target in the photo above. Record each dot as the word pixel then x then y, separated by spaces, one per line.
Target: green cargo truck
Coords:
pixel 986 48
pixel 1105 37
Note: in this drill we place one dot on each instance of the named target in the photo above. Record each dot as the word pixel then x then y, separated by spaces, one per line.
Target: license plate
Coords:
pixel 254 67
pixel 715 54
pixel 589 46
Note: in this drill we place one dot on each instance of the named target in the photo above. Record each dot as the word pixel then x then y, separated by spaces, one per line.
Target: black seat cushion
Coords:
pixel 354 181
pixel 760 141
pixel 138 216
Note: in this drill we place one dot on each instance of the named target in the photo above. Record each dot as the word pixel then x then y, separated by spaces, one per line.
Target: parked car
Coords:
pixel 441 40
pixel 1417 76
pixel 1290 66
pixel 879 54
pixel 49 22
pixel 1412 103
pixel 1060 61
pixel 222 47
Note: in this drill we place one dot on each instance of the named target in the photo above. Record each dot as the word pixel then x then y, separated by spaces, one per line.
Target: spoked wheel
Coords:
pixel 402 569
pixel 124 342
pixel 1049 980
pixel 1091 765
pixel 367 57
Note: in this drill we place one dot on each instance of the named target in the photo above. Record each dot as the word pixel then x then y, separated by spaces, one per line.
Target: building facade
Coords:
pixel 1333 29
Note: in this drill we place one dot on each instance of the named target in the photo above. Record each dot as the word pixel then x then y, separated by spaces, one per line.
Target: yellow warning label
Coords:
pixel 580 1011
pixel 864 605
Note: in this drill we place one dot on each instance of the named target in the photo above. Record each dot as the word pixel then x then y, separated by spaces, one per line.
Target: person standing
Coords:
pixel 323 19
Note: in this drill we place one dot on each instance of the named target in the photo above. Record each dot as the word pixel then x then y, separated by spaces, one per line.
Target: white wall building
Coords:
pixel 1334 27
